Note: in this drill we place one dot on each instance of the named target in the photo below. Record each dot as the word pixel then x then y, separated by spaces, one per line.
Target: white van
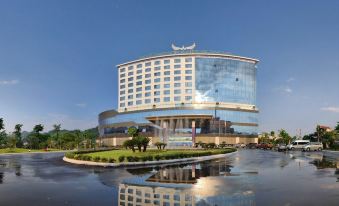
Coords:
pixel 297 144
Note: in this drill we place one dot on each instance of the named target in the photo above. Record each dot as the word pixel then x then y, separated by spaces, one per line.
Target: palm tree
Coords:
pixel 17 133
pixel 320 132
pixel 57 128
pixel 38 128
pixel 2 125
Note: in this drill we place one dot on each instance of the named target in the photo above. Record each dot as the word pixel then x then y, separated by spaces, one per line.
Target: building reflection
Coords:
pixel 324 163
pixel 175 186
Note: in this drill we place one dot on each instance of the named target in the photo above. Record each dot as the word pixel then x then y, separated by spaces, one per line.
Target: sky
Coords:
pixel 58 57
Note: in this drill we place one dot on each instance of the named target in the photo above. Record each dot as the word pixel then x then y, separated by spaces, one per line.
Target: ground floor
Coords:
pixel 118 141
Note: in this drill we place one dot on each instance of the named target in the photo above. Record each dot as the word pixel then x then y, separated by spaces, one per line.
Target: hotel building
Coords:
pixel 184 97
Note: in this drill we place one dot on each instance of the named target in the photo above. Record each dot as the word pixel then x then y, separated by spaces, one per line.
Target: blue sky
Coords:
pixel 57 58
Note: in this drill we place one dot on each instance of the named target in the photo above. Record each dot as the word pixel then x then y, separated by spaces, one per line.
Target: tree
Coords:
pixel 18 135
pixel 38 128
pixel 133 132
pixel 78 137
pixel 145 141
pixel 272 133
pixel 3 135
pixel 56 130
pixel 11 142
pixel 320 132
pixel 286 138
pixel 129 144
pixel 337 127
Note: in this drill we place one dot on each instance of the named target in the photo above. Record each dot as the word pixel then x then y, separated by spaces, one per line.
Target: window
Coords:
pixel 188 78
pixel 167 79
pixel 188 65
pixel 139 83
pixel 130 103
pixel 189 59
pixel 188 72
pixel 130 73
pixel 139 71
pixel 122 98
pixel 130 96
pixel 157 68
pixel 122 92
pixel 167 99
pixel 188 91
pixel 188 84
pixel 147 101
pixel 139 89
pixel 167 67
pixel 147 64
pixel 177 99
pixel 157 74
pixel 177 78
pixel 157 80
pixel 167 73
pixel 177 60
pixel 147 75
pixel 130 84
pixel 147 94
pixel 130 68
pixel 138 102
pixel 148 81
pixel 139 65
pixel 177 91
pixel 148 88
pixel 188 98
pixel 167 92
pixel 177 85
pixel 177 72
pixel 122 75
pixel 122 69
pixel 139 95
pixel 167 86
pixel 147 69
pixel 122 104
pixel 157 86
pixel 122 86
pixel 176 197
pixel 177 66
pixel 130 91
pixel 156 62
pixel 166 61
pixel 157 93
pixel 122 80
pixel 156 100
pixel 139 77
pixel 130 79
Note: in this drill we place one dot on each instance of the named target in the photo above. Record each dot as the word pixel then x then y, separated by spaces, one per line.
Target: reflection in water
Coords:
pixel 178 185
pixel 327 163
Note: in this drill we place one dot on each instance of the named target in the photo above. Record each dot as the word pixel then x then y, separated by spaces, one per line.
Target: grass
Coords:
pixel 21 150
pixel 150 154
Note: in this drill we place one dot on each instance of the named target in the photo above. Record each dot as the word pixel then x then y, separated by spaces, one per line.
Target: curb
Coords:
pixel 104 164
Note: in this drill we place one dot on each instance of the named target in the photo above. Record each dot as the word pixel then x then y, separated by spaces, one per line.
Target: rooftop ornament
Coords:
pixel 183 48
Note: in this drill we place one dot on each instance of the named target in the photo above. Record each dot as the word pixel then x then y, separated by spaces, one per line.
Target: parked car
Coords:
pixel 313 146
pixel 240 145
pixel 264 146
pixel 297 144
pixel 281 147
pixel 252 145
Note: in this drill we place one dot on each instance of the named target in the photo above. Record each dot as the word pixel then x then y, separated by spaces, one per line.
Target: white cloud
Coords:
pixel 331 109
pixel 9 82
pixel 291 79
pixel 287 90
pixel 81 105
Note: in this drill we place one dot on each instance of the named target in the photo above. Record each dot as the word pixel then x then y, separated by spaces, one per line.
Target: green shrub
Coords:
pixel 136 159
pixel 130 158
pixel 77 157
pixel 121 158
pixel 111 160
pixel 96 159
pixel 104 159
pixel 70 155
pixel 157 157
pixel 85 158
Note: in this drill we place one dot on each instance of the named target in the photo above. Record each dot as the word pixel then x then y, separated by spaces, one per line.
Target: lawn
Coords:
pixel 149 155
pixel 21 150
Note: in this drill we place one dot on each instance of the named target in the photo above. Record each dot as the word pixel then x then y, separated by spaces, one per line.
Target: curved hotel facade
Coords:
pixel 184 97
